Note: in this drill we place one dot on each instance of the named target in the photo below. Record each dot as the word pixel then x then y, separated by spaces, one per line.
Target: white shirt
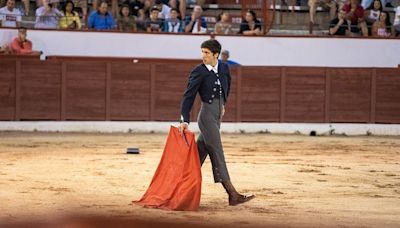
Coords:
pixel 47 20
pixel 397 17
pixel 165 12
pixel 215 68
pixel 196 27
pixel 9 18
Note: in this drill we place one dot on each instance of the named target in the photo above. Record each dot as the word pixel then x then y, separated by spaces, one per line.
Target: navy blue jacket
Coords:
pixel 202 80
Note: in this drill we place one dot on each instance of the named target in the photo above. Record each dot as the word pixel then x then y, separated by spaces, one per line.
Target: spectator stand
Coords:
pixel 279 17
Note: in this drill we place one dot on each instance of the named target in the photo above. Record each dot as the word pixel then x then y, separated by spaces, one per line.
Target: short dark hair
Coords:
pixel 22 29
pixel 213 45
pixel 253 14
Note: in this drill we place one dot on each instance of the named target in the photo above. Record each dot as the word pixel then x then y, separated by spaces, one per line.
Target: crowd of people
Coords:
pixel 127 16
pixel 355 18
pixel 348 17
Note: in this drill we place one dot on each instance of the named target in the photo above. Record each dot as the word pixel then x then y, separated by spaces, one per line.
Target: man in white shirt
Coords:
pixel 9 15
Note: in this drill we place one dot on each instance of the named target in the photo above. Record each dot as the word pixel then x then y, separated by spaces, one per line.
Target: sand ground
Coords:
pixel 299 181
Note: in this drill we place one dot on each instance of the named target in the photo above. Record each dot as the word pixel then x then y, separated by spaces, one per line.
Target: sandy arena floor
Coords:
pixel 299 181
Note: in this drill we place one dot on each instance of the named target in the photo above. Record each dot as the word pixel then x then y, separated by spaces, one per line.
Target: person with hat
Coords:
pixel 153 23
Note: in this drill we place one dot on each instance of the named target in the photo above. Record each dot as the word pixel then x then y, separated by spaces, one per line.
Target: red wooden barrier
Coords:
pixel 118 89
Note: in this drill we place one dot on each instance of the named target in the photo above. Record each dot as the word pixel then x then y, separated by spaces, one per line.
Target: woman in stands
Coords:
pixel 126 21
pixel 224 25
pixel 372 13
pixel 251 25
pixel 382 27
pixel 71 19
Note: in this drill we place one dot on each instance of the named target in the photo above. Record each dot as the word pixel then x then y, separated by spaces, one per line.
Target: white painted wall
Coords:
pixel 149 126
pixel 252 51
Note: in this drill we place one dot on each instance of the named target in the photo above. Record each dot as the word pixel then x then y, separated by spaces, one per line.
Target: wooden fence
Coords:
pixel 118 89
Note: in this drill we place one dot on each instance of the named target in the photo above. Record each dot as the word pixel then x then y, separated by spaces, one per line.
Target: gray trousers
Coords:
pixel 209 140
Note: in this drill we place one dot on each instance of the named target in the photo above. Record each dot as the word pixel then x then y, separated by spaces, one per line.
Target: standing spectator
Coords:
pixel 224 25
pixel 47 16
pixel 313 4
pixel 101 19
pixel 340 26
pixel 71 19
pixel 154 24
pixel 251 25
pixel 173 24
pixel 165 10
pixel 9 15
pixel 355 13
pixel 21 45
pixel 382 27
pixel 126 22
pixel 196 23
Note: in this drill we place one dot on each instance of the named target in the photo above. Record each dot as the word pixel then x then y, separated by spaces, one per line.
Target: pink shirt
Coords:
pixel 19 47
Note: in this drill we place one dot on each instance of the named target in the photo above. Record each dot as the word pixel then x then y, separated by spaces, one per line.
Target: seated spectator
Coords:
pixel 165 10
pixel 196 23
pixel 340 26
pixel 396 23
pixel 114 6
pixel 372 13
pixel 21 45
pixel 47 16
pixel 101 19
pixel 381 28
pixel 355 13
pixel 9 15
pixel 71 19
pixel 126 22
pixel 154 24
pixel 81 7
pixel 386 3
pixel 225 58
pixel 313 4
pixel 173 24
pixel 135 6
pixel 251 25
pixel 224 25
